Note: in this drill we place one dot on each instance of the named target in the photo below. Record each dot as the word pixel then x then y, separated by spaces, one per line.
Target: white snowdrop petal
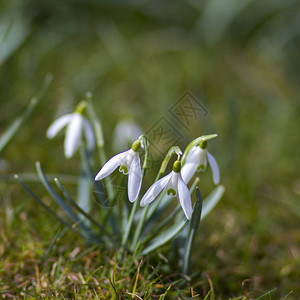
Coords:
pixel 193 155
pixel 185 198
pixel 134 179
pixel 89 134
pixel 173 182
pixel 188 170
pixel 111 165
pixel 128 159
pixel 202 158
pixel 155 189
pixel 73 135
pixel 57 125
pixel 214 168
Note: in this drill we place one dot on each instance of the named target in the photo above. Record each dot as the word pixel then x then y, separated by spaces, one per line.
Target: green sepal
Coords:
pixel 136 145
pixel 177 166
pixel 203 145
pixel 81 106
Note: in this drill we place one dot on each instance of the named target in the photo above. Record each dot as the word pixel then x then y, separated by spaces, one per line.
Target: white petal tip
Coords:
pixel 131 200
pixel 98 177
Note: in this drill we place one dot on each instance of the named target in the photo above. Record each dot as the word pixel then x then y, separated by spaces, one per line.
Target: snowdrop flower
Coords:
pixel 196 160
pixel 129 163
pixel 174 185
pixel 75 123
pixel 125 133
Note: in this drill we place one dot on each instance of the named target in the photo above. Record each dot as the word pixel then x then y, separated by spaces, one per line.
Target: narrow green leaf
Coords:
pixel 84 182
pixel 166 200
pixel 193 227
pixel 80 210
pixel 17 124
pixel 206 297
pixel 212 200
pixel 161 225
pixel 14 29
pixel 41 203
pixel 208 204
pixel 164 237
pixel 58 235
pixel 61 202
pixel 267 293
pixel 13 129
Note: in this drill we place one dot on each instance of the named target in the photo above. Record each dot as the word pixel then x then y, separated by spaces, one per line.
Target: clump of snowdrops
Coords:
pixel 134 222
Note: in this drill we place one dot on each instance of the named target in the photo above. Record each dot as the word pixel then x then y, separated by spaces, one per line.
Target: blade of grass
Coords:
pixel 266 293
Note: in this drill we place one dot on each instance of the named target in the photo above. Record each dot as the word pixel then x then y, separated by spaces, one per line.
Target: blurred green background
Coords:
pixel 240 59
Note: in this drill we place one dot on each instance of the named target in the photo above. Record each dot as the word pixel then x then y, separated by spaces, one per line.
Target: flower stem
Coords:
pixel 140 225
pixel 129 224
pixel 130 220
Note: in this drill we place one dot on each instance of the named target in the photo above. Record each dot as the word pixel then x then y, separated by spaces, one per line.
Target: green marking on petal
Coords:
pixel 171 191
pixel 200 167
pixel 123 169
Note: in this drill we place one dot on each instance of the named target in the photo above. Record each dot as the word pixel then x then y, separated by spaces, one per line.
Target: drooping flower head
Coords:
pixel 76 124
pixel 173 184
pixel 196 160
pixel 129 163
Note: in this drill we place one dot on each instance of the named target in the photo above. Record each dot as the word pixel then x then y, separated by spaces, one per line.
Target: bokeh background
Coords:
pixel 240 59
